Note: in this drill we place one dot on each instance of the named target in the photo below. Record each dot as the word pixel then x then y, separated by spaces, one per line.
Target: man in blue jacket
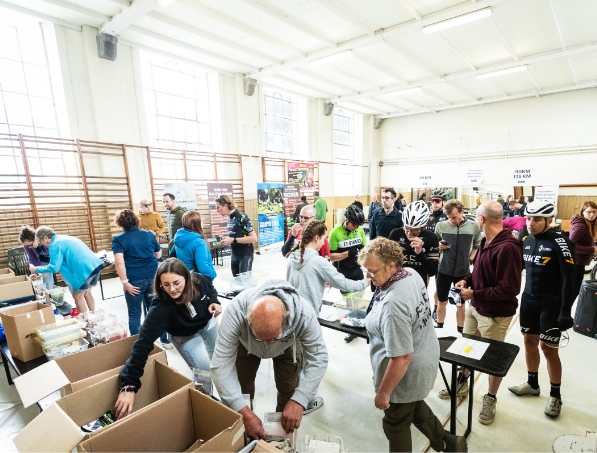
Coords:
pixel 79 266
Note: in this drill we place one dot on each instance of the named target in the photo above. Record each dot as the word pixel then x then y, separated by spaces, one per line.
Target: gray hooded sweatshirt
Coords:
pixel 310 277
pixel 302 327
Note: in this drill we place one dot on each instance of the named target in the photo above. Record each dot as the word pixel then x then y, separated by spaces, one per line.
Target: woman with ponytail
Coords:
pixel 308 272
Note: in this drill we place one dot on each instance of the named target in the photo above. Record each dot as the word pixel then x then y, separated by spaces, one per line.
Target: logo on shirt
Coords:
pixel 350 243
pixel 541 248
pixel 565 250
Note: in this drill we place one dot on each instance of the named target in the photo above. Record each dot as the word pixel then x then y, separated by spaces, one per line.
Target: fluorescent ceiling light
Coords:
pixel 409 91
pixel 464 19
pixel 330 58
pixel 502 72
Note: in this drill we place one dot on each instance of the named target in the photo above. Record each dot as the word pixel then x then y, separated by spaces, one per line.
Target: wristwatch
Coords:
pixel 235 241
pixel 124 281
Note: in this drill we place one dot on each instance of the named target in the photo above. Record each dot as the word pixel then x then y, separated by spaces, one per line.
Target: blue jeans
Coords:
pixel 48 281
pixel 197 350
pixel 133 303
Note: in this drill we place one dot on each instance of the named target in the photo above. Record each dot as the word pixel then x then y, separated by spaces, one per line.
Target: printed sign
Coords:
pixel 219 223
pixel 474 175
pixel 184 193
pixel 270 210
pixel 303 174
pixel 547 193
pixel 522 176
pixel 292 198
pixel 425 180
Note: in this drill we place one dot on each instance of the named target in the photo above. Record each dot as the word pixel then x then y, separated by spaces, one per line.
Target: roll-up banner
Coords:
pixel 271 216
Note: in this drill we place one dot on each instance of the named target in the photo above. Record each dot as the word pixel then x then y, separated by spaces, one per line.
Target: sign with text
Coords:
pixel 270 210
pixel 523 176
pixel 184 193
pixel 474 175
pixel 219 223
pixel 292 198
pixel 425 180
pixel 547 193
pixel 303 174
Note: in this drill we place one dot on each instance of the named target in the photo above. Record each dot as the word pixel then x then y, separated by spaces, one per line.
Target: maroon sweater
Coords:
pixel 582 240
pixel 496 276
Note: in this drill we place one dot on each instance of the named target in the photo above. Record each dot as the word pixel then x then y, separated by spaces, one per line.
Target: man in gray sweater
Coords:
pixel 269 321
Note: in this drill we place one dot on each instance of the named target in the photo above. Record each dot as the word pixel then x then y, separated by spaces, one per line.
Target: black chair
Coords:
pixel 18 261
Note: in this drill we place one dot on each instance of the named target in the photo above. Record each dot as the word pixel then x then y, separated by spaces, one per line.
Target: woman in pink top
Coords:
pixel 514 223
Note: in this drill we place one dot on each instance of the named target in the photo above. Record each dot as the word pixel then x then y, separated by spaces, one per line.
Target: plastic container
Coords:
pixel 246 280
pixel 108 333
pixel 359 300
pixel 64 349
pixel 57 333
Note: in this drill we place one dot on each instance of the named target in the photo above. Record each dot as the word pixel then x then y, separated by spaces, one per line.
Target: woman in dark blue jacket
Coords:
pixel 190 245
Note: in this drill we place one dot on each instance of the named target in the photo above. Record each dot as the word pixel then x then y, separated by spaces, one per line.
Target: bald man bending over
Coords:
pixel 492 289
pixel 269 321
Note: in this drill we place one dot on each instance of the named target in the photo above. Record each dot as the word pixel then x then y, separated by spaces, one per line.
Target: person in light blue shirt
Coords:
pixel 79 266
pixel 191 248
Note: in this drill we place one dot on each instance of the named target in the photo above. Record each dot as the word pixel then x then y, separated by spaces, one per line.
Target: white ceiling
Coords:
pixel 273 41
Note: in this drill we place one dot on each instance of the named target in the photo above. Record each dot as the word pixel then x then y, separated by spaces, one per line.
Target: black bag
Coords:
pixel 585 318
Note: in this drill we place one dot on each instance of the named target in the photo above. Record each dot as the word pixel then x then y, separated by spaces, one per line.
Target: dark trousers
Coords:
pixel 579 275
pixel 286 373
pixel 241 263
pixel 398 418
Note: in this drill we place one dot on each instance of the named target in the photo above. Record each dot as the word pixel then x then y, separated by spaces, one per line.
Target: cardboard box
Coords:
pixel 78 371
pixel 185 421
pixel 58 428
pixel 16 289
pixel 20 322
pixel 6 272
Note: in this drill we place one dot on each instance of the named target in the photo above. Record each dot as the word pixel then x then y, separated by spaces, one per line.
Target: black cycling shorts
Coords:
pixel 539 316
pixel 443 283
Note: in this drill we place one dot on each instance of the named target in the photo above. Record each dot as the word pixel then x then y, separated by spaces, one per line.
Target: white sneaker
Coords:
pixel 462 391
pixel 166 345
pixel 316 405
pixel 524 389
pixel 487 414
pixel 554 405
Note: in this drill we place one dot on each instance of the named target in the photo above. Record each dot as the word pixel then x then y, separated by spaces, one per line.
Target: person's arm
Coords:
pixel 339 281
pixel 160 224
pixel 395 371
pixel 121 271
pixel 577 233
pixel 508 274
pixel 400 222
pixel 287 247
pixel 248 239
pixel 477 241
pixel 33 256
pixel 203 261
pixel 54 265
pixel 334 255
pixel 565 253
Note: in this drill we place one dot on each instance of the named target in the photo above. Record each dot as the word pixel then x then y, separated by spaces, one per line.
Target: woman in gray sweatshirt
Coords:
pixel 308 272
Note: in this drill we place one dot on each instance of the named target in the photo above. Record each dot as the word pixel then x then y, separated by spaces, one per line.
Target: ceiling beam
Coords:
pixel 356 79
pixel 387 105
pixel 502 38
pixel 412 58
pixel 347 16
pixel 379 67
pixel 495 84
pixel 203 34
pixel 41 16
pixel 317 77
pixel 367 40
pixel 233 23
pixel 411 9
pixel 79 9
pixel 186 46
pixel 532 79
pixel 293 23
pixel 572 70
pixel 355 107
pixel 434 96
pixel 302 85
pixel 172 56
pixel 555 18
pixel 129 16
pixel 285 90
pixel 368 107
pixel 460 90
pixel 531 59
pixel 456 51
pixel 122 2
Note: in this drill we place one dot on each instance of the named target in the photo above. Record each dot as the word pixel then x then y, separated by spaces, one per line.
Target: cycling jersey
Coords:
pixel 425 263
pixel 434 218
pixel 342 240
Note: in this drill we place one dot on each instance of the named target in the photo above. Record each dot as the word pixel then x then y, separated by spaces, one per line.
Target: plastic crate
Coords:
pixel 64 349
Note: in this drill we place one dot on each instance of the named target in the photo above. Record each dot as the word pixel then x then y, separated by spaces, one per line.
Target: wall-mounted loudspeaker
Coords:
pixel 328 108
pixel 377 123
pixel 250 85
pixel 107 46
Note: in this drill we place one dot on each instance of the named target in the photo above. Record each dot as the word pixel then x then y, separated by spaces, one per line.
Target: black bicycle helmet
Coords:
pixel 354 215
pixel 439 194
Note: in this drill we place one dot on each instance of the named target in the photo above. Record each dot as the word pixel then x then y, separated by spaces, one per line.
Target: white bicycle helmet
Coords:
pixel 540 208
pixel 416 215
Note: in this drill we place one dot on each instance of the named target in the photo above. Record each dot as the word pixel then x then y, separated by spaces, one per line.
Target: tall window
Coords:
pixel 281 124
pixel 26 97
pixel 176 103
pixel 343 137
pixel 348 150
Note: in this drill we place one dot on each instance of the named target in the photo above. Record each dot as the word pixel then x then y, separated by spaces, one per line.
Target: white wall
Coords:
pixel 495 138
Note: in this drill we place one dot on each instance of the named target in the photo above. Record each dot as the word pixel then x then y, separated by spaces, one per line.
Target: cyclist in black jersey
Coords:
pixel 438 200
pixel 546 304
pixel 420 246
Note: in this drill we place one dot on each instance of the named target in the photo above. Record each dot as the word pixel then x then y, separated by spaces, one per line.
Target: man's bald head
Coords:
pixel 307 211
pixel 492 211
pixel 267 317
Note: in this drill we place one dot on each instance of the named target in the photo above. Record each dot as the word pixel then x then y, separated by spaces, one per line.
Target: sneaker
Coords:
pixel 554 405
pixel 525 389
pixel 434 315
pixel 314 405
pixel 487 414
pixel 348 338
pixel 462 391
pixel 455 443
pixel 167 345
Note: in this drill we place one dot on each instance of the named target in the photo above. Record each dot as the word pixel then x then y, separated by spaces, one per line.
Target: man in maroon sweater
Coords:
pixel 492 289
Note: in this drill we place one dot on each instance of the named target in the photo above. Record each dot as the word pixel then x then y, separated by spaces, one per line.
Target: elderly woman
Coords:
pixel 38 254
pixel 404 349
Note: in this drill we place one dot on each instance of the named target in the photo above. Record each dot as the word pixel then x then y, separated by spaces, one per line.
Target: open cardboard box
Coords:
pixel 16 289
pixel 185 421
pixel 78 371
pixel 58 428
pixel 19 323
pixel 6 272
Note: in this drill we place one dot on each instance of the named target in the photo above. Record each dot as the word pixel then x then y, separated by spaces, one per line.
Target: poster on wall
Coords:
pixel 184 193
pixel 270 210
pixel 424 180
pixel 219 223
pixel 474 175
pixel 303 174
pixel 292 198
pixel 547 193
pixel 523 176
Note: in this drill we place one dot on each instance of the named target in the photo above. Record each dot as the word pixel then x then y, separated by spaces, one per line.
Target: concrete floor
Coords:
pixel 347 390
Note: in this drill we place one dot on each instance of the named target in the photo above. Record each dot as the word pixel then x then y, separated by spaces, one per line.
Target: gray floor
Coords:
pixel 348 409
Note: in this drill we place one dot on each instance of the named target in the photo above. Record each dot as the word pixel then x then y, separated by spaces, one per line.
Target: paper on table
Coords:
pixel 476 352
pixel 444 333
pixel 328 313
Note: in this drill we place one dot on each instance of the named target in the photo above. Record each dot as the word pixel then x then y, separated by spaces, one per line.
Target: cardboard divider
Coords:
pixel 6 272
pixel 16 289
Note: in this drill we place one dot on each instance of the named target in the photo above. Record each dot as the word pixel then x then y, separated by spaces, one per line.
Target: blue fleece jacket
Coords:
pixel 72 258
pixel 193 251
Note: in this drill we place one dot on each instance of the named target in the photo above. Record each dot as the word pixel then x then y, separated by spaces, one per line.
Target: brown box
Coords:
pixel 78 371
pixel 20 322
pixel 6 272
pixel 185 421
pixel 58 428
pixel 15 288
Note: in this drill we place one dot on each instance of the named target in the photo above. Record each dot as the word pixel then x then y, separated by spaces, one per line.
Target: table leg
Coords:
pixel 101 286
pixel 470 404
pixel 453 400
pixel 7 369
pixel 441 370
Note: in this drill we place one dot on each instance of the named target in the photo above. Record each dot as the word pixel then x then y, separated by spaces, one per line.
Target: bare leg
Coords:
pixel 441 311
pixel 460 316
pixel 554 365
pixel 494 384
pixel 435 299
pixel 531 352
pixel 79 297
pixel 90 299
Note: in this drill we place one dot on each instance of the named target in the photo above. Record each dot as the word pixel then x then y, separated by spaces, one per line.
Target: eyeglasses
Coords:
pixel 372 273
pixel 305 217
pixel 413 230
pixel 386 198
pixel 146 205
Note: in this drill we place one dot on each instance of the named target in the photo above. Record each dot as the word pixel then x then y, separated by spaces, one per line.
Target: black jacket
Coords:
pixel 382 224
